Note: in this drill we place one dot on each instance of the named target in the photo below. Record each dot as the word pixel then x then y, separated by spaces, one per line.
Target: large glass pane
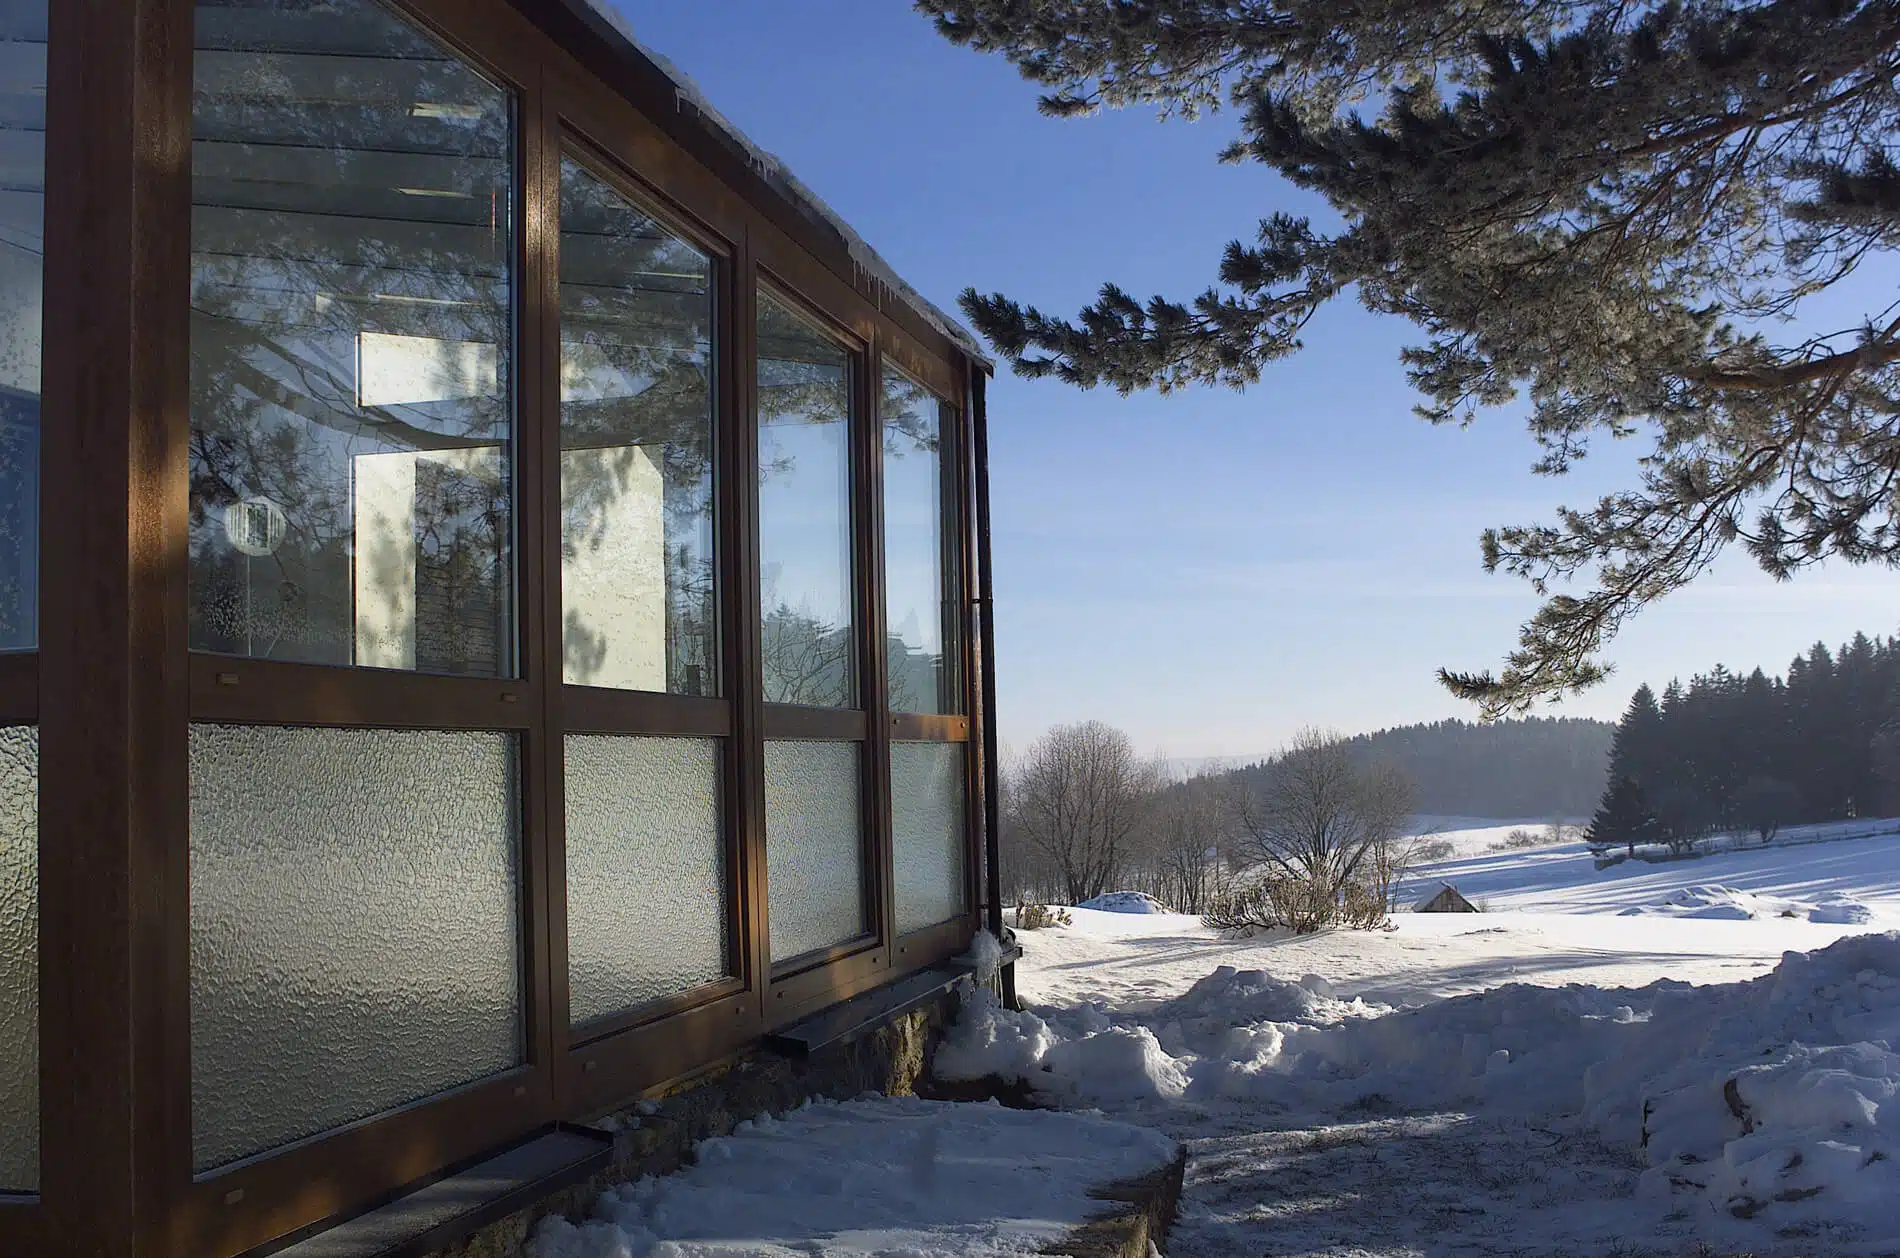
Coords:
pixel 804 400
pixel 351 343
pixel 919 559
pixel 646 881
pixel 22 246
pixel 813 854
pixel 19 958
pixel 637 602
pixel 927 831
pixel 355 926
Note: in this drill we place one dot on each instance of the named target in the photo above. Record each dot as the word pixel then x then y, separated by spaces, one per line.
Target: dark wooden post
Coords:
pixel 115 975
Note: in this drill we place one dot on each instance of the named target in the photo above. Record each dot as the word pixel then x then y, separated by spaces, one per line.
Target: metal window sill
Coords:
pixel 449 1209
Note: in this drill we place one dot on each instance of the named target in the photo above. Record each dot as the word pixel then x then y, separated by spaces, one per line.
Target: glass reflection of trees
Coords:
pixel 805 567
pixel 637 447
pixel 920 572
pixel 351 444
pixel 22 247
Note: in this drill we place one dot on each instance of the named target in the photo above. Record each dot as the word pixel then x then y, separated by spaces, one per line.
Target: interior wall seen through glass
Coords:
pixel 638 610
pixel 646 871
pixel 355 925
pixel 920 563
pixel 929 838
pixel 22 250
pixel 814 855
pixel 352 246
pixel 805 569
pixel 19 958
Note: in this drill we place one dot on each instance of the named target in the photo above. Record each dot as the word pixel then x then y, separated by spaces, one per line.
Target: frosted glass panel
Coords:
pixel 355 929
pixel 927 787
pixel 19 958
pixel 352 333
pixel 813 854
pixel 646 887
pixel 22 249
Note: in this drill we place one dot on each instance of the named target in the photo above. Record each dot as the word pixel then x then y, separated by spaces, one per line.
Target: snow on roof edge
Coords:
pixel 775 172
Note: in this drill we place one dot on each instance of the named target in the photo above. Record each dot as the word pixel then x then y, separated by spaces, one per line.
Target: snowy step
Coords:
pixel 896 1175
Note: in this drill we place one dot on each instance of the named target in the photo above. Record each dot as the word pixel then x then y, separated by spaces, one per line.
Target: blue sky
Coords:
pixel 1213 570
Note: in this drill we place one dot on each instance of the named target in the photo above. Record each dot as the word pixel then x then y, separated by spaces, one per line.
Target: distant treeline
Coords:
pixel 1728 752
pixel 1536 767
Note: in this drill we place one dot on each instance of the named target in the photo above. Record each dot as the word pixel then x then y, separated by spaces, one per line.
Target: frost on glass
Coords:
pixel 646 888
pixel 927 830
pixel 19 958
pixel 22 239
pixel 637 603
pixel 355 929
pixel 920 562
pixel 805 586
pixel 352 238
pixel 813 857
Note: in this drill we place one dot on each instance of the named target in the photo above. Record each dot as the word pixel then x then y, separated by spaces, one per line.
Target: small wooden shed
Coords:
pixel 1442 897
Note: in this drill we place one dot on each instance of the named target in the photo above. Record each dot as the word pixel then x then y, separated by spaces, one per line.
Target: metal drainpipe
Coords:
pixel 986 646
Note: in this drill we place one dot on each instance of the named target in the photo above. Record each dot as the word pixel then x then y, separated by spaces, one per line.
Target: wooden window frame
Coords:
pixel 936 940
pixel 116 1149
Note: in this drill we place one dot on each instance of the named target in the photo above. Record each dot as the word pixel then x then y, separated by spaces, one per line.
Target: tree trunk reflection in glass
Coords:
pixel 637 598
pixel 351 332
pixel 805 572
pixel 22 215
pixel 920 574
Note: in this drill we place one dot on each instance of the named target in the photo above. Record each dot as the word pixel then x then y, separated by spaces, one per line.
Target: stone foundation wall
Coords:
pixel 657 1135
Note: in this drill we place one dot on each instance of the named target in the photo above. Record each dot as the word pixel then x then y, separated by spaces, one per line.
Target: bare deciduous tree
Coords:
pixel 1325 833
pixel 1078 799
pixel 1184 862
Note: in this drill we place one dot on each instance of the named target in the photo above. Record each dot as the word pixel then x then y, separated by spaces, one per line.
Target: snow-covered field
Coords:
pixel 1655 1076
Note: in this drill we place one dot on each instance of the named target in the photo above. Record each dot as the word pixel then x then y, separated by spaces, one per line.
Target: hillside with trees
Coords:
pixel 1533 767
pixel 1733 753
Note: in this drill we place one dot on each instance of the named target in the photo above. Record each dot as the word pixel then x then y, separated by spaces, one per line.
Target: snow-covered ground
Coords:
pixel 892 1177
pixel 1374 1093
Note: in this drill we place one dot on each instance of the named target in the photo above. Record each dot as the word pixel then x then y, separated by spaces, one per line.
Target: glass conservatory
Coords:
pixel 489 593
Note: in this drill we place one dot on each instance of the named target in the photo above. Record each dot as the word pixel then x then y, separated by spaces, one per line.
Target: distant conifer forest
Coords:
pixel 1728 753
pixel 1530 768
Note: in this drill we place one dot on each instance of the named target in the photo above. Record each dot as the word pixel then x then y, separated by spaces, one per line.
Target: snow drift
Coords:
pixel 1772 1099
pixel 1718 903
pixel 1125 902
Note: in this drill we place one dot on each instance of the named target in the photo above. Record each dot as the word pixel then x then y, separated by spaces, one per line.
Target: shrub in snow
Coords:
pixel 1301 904
pixel 1033 916
pixel 1434 850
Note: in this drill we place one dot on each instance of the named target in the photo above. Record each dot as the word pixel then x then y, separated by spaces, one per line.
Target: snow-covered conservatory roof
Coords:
pixel 690 108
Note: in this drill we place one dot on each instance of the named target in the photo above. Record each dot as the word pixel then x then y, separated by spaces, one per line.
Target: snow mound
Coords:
pixel 1837 909
pixel 985 957
pixel 884 1176
pixel 1125 902
pixel 1719 903
pixel 1776 1099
